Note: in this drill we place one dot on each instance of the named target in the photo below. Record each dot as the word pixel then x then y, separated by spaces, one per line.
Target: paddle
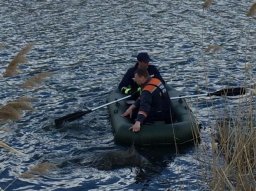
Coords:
pixel 223 92
pixel 78 114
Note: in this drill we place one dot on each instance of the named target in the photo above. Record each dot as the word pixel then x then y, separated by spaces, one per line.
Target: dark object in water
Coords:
pixel 109 160
pixel 120 159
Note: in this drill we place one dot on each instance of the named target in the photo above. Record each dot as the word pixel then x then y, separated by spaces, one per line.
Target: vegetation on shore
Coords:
pixel 233 162
pixel 233 154
pixel 14 108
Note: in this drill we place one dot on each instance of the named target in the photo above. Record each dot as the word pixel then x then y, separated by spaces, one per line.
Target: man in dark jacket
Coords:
pixel 154 102
pixel 127 84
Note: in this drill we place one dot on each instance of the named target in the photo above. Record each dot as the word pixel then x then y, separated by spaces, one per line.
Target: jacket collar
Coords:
pixel 143 85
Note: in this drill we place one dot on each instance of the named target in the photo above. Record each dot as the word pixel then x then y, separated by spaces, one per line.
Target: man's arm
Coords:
pixel 145 106
pixel 126 80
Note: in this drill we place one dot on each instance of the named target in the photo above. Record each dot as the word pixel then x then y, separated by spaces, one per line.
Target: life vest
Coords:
pixel 154 84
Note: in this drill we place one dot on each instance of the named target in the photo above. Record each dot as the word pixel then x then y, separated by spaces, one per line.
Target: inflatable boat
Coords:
pixel 183 130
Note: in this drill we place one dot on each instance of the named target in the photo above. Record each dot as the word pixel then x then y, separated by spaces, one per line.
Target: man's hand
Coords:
pixel 128 112
pixel 135 127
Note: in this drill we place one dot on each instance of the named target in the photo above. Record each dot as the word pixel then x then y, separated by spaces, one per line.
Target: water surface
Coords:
pixel 88 45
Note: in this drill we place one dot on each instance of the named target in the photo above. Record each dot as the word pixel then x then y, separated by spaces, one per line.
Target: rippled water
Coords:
pixel 88 45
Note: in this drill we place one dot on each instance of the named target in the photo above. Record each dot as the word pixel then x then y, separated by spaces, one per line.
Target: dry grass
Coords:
pixel 20 105
pixel 4 145
pixel 9 113
pixel 213 48
pixel 11 69
pixel 35 80
pixel 13 110
pixel 39 169
pixel 252 11
pixel 237 148
pixel 231 165
pixel 207 4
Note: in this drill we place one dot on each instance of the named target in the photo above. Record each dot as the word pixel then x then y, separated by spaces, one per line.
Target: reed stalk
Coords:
pixel 35 80
pixel 20 58
pixel 252 11
pixel 38 169
pixel 9 113
pixel 213 48
pixel 237 148
pixel 207 4
pixel 4 145
pixel 13 109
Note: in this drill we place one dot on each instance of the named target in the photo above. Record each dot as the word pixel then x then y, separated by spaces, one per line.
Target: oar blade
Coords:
pixel 229 92
pixel 70 117
pixel 73 116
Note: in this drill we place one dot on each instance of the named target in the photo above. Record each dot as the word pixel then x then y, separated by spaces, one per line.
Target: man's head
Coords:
pixel 143 60
pixel 141 76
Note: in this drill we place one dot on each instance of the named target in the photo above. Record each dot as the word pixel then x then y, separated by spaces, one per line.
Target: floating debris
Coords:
pixel 120 159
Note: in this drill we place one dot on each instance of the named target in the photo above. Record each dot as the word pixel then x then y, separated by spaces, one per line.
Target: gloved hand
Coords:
pixel 136 93
pixel 126 90
pixel 139 90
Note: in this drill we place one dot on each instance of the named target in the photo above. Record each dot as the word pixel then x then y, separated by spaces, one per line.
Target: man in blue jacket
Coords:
pixel 127 84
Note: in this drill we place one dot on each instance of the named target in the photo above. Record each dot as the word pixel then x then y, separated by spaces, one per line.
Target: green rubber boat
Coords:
pixel 185 129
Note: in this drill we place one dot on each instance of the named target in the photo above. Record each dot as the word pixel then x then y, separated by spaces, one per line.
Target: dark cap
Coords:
pixel 143 57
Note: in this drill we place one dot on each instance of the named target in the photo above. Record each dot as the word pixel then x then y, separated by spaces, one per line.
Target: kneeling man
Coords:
pixel 153 104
